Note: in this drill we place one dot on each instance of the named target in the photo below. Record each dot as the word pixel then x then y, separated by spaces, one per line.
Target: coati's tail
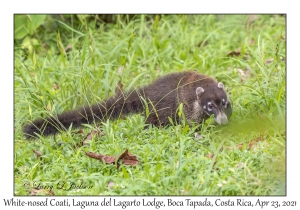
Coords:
pixel 112 108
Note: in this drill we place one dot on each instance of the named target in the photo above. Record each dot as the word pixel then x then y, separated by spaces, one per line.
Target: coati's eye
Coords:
pixel 210 106
pixel 223 102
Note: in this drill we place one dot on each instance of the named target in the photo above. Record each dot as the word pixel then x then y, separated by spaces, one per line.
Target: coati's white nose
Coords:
pixel 224 120
pixel 221 118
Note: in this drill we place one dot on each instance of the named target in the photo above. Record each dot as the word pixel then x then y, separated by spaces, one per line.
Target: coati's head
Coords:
pixel 213 100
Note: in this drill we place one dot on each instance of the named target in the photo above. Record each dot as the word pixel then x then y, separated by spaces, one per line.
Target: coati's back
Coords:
pixel 200 95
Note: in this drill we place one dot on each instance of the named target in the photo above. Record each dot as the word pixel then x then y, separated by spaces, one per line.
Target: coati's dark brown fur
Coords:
pixel 200 95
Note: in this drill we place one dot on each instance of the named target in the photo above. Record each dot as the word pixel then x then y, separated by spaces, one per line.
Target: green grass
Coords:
pixel 172 161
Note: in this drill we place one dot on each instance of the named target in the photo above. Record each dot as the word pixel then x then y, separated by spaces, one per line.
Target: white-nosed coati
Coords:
pixel 200 95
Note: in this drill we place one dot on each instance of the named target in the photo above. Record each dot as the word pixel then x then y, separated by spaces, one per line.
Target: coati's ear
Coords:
pixel 199 91
pixel 220 85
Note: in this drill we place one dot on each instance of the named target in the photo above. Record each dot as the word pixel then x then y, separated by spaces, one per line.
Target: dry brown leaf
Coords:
pixel 241 72
pixel 198 136
pixel 27 16
pixel 269 61
pixel 120 70
pixel 210 156
pixel 119 88
pixel 221 149
pixel 250 145
pixel 94 132
pixel 51 192
pixel 244 74
pixel 81 131
pixel 158 69
pixel 203 44
pixel 239 146
pixel 48 107
pixel 236 52
pixel 34 192
pixel 252 18
pixel 246 57
pixel 55 86
pixel 38 153
pixel 254 141
pixel 45 46
pixel 106 159
pixel 282 59
pixel 68 48
pixel 260 116
pixel 88 137
pixel 127 159
pixel 84 143
pixel 283 134
pixel 259 138
pixel 109 159
pixel 240 165
pixel 110 184
pixel 130 162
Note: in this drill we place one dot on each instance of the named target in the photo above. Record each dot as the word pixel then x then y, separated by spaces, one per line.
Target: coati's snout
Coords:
pixel 214 101
pixel 221 118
